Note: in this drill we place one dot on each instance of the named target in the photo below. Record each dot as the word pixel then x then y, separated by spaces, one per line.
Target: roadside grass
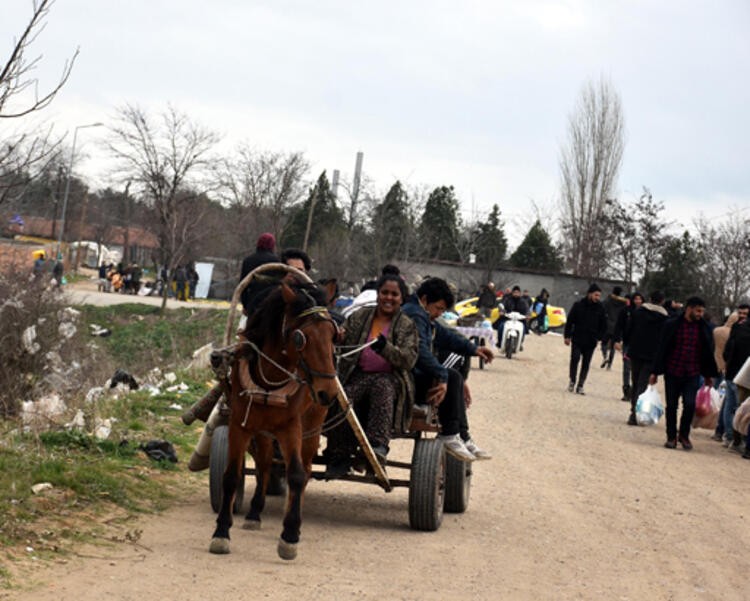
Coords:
pixel 99 485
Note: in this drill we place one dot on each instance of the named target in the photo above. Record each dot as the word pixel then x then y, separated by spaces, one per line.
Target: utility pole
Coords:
pixel 355 188
pixel 309 222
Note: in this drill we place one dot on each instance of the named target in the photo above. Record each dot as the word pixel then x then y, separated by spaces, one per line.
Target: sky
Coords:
pixel 471 94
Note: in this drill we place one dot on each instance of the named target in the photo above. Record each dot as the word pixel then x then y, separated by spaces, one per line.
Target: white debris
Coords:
pixel 69 314
pixel 202 357
pixel 28 340
pixel 170 377
pixel 175 406
pixel 40 488
pixel 41 412
pixel 102 428
pixel 151 389
pixel 78 422
pixel 181 387
pixel 94 394
pixel 66 329
pixel 154 375
pixel 97 330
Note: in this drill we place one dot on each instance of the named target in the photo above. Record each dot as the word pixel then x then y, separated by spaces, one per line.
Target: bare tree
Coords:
pixel 25 152
pixel 169 161
pixel 589 166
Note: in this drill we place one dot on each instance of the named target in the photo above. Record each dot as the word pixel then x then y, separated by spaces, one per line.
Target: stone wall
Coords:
pixel 564 288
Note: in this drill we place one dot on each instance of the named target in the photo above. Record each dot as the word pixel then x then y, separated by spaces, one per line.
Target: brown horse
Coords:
pixel 285 382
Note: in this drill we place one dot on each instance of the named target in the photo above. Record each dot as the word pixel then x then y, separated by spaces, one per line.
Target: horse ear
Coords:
pixel 330 289
pixel 287 293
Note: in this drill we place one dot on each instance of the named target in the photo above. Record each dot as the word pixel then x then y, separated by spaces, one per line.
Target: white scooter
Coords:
pixel 513 334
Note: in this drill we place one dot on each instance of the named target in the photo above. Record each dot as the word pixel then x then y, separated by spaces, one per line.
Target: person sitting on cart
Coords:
pixel 377 380
pixel 259 288
pixel 436 384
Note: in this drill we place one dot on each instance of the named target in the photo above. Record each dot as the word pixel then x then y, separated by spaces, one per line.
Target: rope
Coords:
pixel 357 349
pixel 292 376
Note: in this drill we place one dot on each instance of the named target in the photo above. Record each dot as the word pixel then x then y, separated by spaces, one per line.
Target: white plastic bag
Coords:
pixel 648 407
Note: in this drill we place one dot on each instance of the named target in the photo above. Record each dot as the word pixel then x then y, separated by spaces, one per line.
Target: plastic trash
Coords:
pixel 159 450
pixel 649 408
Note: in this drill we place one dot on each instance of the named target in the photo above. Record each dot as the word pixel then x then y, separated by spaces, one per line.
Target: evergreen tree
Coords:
pixel 391 225
pixel 491 243
pixel 536 251
pixel 678 275
pixel 438 229
pixel 327 217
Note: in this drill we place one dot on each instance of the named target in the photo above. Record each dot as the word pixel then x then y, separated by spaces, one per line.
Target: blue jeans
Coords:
pixel 728 408
pixel 675 387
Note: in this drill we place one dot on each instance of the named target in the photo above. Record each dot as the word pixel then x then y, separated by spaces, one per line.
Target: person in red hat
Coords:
pixel 264 253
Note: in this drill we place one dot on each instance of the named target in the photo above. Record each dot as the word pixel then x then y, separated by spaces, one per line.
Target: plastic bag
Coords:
pixel 710 419
pixel 703 401
pixel 649 408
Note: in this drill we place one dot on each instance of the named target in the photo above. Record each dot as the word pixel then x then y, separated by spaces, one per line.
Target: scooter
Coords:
pixel 513 334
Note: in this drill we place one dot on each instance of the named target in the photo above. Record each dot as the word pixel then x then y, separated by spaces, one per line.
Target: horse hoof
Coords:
pixel 287 550
pixel 220 546
pixel 251 525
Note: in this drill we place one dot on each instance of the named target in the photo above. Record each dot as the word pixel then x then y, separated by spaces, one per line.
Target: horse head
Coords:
pixel 308 334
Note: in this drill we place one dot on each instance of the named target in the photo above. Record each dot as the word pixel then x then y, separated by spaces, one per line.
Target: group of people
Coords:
pixel 121 278
pixel 663 338
pixel 513 300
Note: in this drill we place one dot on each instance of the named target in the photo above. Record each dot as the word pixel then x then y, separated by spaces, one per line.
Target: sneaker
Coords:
pixel 456 447
pixel 479 453
pixel 579 390
pixel 737 448
pixel 632 421
pixel 604 364
pixel 685 442
pixel 337 468
pixel 717 437
pixel 571 386
pixel 671 443
pixel 726 442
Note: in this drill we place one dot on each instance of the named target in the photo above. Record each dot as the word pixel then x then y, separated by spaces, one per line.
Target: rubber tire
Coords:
pixel 216 468
pixel 509 347
pixel 427 485
pixel 457 484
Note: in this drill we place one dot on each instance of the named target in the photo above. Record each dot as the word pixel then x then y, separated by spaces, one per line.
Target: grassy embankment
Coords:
pixel 99 485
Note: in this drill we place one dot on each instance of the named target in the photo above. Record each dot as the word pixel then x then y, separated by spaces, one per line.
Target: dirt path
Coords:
pixel 575 505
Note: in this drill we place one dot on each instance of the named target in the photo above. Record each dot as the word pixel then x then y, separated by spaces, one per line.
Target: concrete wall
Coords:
pixel 564 288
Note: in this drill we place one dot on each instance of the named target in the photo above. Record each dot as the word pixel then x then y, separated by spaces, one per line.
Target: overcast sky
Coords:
pixel 473 94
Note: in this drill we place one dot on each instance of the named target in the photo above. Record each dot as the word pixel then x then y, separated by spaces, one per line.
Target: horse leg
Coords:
pixel 263 456
pixel 290 442
pixel 238 441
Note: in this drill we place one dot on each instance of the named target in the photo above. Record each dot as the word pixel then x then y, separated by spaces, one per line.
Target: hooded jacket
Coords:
pixel 433 336
pixel 644 331
pixel 587 323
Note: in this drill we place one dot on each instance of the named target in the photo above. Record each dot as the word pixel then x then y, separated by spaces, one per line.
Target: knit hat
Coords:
pixel 266 242
pixel 593 288
pixel 617 290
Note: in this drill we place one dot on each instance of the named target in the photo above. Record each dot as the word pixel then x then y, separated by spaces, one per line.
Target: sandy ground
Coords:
pixel 575 505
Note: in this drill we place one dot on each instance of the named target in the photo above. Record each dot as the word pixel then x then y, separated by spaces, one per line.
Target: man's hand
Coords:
pixel 618 346
pixel 708 382
pixel 467 395
pixel 653 379
pixel 485 353
pixel 567 342
pixel 436 394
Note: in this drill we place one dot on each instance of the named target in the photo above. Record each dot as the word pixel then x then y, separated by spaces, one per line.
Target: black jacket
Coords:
pixel 737 349
pixel 644 330
pixel 587 323
pixel 519 305
pixel 707 362
pixel 252 294
pixel 614 306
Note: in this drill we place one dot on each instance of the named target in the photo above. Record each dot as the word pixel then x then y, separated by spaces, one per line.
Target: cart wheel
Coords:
pixel 457 484
pixel 276 482
pixel 427 485
pixel 217 467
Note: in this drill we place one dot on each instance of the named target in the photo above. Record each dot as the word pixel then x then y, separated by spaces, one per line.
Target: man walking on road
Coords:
pixel 586 325
pixel 685 353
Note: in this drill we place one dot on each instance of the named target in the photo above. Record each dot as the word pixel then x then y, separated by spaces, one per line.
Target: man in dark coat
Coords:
pixel 685 352
pixel 487 299
pixel 586 325
pixel 258 288
pixel 736 352
pixel 614 305
pixel 643 337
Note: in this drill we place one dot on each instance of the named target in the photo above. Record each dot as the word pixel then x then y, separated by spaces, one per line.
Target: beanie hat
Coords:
pixel 266 242
pixel 593 288
pixel 617 290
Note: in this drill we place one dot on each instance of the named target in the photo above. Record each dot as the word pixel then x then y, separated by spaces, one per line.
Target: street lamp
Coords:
pixel 67 182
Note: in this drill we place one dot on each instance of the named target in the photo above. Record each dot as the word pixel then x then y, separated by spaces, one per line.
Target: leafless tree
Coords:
pixel 589 166
pixel 169 161
pixel 24 151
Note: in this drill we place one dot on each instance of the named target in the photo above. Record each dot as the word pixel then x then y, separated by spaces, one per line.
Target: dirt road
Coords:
pixel 575 505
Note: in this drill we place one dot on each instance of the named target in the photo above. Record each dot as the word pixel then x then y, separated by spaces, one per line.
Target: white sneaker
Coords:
pixel 479 453
pixel 456 447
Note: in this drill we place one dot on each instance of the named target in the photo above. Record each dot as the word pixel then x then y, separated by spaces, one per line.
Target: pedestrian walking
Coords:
pixel 614 305
pixel 685 353
pixel 586 325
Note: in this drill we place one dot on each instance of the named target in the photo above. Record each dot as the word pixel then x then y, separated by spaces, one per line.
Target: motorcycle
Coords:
pixel 513 334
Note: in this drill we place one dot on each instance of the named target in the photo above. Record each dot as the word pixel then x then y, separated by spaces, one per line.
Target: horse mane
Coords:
pixel 266 322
